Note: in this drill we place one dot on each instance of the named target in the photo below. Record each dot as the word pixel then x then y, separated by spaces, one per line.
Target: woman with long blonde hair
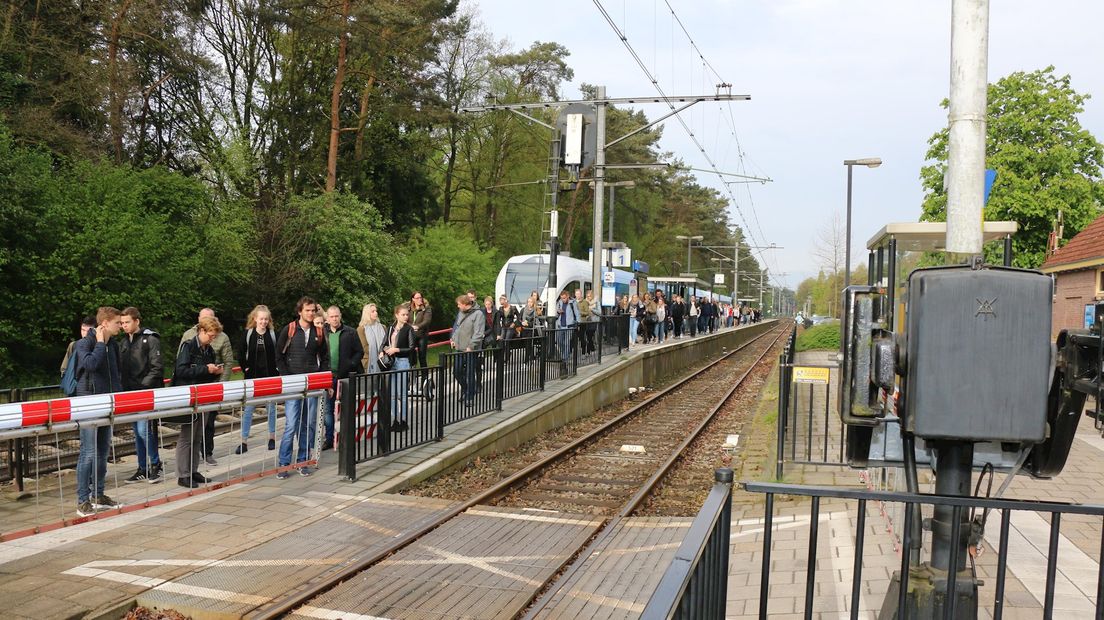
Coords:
pixel 259 361
pixel 372 334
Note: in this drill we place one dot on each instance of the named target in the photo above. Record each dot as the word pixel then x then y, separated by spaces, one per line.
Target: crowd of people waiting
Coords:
pixel 115 353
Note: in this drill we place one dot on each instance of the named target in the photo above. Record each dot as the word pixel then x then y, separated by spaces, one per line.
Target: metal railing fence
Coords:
pixel 390 411
pixel 695 584
pixel 522 371
pixel 615 334
pixel 947 580
pixel 561 352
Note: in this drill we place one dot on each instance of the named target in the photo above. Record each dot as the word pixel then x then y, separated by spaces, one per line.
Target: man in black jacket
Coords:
pixel 97 373
pixel 142 369
pixel 345 354
pixel 678 311
pixel 300 349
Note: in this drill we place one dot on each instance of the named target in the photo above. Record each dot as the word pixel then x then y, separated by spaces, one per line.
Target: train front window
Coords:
pixel 524 278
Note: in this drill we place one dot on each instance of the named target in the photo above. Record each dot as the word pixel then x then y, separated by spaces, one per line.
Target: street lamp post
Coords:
pixel 869 162
pixel 689 241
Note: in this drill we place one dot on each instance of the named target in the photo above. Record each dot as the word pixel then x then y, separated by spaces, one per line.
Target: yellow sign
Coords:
pixel 810 374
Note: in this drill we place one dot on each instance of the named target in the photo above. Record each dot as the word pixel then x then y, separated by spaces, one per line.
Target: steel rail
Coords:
pixel 284 606
pixel 609 528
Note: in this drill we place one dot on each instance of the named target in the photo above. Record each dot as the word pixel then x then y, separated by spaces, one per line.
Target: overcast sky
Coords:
pixel 829 79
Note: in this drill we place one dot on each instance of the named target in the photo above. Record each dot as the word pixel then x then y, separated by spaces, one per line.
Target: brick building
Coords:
pixel 1078 270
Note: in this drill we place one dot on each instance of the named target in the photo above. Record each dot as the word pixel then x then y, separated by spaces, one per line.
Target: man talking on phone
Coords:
pixel 224 358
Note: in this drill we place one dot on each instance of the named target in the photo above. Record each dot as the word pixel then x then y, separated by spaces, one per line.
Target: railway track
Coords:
pixel 593 474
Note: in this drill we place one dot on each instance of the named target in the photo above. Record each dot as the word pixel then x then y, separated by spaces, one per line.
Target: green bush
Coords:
pixel 821 337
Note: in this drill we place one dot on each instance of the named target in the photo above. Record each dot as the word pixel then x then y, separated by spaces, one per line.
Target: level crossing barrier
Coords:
pixel 1007 508
pixel 44 435
pixel 695 583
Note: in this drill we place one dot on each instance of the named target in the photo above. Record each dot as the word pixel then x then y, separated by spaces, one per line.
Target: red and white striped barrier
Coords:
pixel 31 417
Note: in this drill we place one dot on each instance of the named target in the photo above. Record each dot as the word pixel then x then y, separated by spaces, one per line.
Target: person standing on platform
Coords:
pixel 467 336
pixel 488 310
pixel 586 344
pixel 567 317
pixel 507 324
pixel 300 349
pixel 97 373
pixel 693 310
pixel 345 356
pixel 661 320
pixel 142 369
pixel 400 346
pixel 372 334
pixel 195 364
pixel 634 310
pixel 421 315
pixel 678 313
pixel 87 323
pixel 224 356
pixel 259 362
pixel 650 308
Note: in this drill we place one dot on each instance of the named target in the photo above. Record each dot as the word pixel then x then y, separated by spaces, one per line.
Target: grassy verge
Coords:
pixel 820 337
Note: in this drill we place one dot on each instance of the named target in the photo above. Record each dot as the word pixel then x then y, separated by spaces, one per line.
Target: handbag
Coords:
pixel 383 360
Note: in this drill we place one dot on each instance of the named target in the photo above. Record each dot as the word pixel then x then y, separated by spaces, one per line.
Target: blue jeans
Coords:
pixel 563 341
pixel 298 425
pixel 328 416
pixel 146 444
pixel 94 444
pixel 634 324
pixel 400 386
pixel 463 369
pixel 247 420
pixel 659 330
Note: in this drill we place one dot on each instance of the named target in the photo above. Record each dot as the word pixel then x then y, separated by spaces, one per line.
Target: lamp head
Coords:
pixel 869 162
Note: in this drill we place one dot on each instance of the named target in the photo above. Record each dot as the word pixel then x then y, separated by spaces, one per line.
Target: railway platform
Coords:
pixel 1078 542
pixel 230 551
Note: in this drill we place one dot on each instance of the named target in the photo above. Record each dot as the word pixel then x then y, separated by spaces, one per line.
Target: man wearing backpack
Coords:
pixel 97 373
pixel 467 336
pixel 140 353
pixel 224 356
pixel 86 324
pixel 300 348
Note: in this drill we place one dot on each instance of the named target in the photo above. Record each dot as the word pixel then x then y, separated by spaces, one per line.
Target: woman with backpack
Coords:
pixel 258 362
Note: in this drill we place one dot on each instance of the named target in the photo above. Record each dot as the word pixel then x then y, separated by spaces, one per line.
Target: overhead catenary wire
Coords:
pixel 755 234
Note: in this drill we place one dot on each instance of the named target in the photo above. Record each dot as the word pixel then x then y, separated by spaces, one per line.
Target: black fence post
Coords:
pixel 600 337
pixel 439 394
pixel 542 359
pixel 500 374
pixel 346 442
pixel 780 447
pixel 574 351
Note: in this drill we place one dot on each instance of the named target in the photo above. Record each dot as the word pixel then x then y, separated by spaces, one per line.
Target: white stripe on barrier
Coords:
pixel 37 415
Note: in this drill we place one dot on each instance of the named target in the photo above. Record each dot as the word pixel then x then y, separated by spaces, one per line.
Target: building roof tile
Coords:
pixel 1086 246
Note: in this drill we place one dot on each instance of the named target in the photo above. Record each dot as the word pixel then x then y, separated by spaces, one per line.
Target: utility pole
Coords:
pixel 600 102
pixel 599 193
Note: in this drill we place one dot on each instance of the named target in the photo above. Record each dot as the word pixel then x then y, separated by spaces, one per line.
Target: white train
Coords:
pixel 521 275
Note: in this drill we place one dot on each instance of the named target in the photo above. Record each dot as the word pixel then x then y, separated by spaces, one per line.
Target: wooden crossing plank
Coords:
pixel 486 564
pixel 616 580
